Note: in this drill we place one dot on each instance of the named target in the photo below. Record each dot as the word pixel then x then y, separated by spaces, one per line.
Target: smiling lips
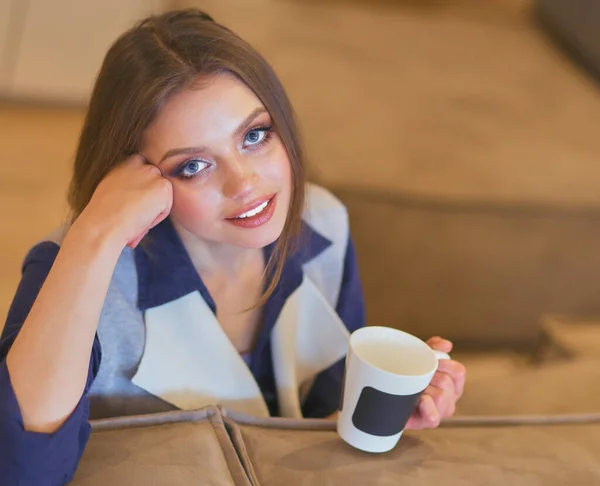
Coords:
pixel 256 213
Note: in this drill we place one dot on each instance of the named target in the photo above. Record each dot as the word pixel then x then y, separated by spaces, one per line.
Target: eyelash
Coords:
pixel 268 129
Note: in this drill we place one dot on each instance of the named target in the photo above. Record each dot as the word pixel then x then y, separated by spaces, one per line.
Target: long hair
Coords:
pixel 158 57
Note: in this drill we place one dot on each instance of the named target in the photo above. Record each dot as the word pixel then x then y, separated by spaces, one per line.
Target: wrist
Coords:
pixel 86 234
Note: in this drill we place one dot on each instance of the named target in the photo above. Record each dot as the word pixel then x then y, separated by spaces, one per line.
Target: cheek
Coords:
pixel 279 169
pixel 285 175
pixel 192 206
pixel 280 172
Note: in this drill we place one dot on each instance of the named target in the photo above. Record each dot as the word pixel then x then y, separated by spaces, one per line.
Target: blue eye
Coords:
pixel 192 167
pixel 257 136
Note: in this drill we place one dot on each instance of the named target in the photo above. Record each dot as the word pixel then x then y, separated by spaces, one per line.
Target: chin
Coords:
pixel 256 238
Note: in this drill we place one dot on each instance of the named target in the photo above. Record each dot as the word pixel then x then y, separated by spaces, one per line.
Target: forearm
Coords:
pixel 49 360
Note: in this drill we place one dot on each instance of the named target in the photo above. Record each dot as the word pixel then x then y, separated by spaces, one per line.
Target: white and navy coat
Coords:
pixel 160 347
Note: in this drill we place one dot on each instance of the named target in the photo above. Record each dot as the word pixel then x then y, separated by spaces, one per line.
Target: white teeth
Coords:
pixel 254 211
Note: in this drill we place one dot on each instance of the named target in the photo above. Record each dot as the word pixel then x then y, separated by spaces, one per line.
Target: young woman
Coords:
pixel 199 266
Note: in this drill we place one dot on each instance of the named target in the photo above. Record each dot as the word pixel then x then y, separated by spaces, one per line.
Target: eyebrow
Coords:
pixel 194 150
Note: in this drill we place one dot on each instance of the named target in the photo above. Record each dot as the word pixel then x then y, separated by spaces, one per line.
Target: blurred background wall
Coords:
pixel 51 51
pixel 462 135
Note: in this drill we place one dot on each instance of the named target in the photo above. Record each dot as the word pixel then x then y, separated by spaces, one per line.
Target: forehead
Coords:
pixel 206 111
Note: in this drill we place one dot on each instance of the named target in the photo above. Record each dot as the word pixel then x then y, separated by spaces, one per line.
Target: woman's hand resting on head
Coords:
pixel 132 199
pixel 439 398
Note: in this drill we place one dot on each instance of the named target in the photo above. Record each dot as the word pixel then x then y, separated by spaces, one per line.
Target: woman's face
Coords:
pixel 230 171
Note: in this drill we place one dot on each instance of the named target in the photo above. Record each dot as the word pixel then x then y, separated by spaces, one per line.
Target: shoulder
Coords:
pixel 326 214
pixel 35 268
pixel 44 251
pixel 322 202
pixel 41 256
pixel 327 219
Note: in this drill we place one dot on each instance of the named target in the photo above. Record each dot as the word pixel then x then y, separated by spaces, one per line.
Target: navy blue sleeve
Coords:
pixel 32 458
pixel 324 397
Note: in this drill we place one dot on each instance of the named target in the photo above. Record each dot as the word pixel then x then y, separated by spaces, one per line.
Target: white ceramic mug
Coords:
pixel 387 370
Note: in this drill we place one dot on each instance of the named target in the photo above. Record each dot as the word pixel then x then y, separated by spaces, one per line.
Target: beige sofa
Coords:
pixel 465 144
pixel 210 447
pixel 466 149
pixel 576 24
pixel 522 421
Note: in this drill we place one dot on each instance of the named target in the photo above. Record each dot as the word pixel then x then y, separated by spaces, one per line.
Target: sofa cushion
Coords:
pixel 465 456
pixel 180 448
pixel 161 449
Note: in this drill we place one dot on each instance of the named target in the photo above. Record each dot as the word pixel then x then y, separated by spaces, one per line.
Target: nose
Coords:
pixel 240 179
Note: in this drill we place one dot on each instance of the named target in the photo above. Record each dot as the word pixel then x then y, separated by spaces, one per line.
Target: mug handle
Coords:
pixel 440 354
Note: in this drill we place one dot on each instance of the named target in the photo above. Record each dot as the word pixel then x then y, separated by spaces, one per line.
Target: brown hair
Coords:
pixel 149 63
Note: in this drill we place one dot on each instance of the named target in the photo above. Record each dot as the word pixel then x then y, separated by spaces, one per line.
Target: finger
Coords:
pixel 156 221
pixel 440 344
pixel 444 382
pixel 134 243
pixel 135 159
pixel 149 162
pixel 428 412
pixel 456 371
pixel 159 218
pixel 164 214
pixel 425 416
pixel 140 161
pixel 445 401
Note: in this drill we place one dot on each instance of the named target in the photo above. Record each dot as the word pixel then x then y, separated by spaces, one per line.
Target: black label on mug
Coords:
pixel 341 407
pixel 383 414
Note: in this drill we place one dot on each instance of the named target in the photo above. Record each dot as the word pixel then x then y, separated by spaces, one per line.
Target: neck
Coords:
pixel 214 259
